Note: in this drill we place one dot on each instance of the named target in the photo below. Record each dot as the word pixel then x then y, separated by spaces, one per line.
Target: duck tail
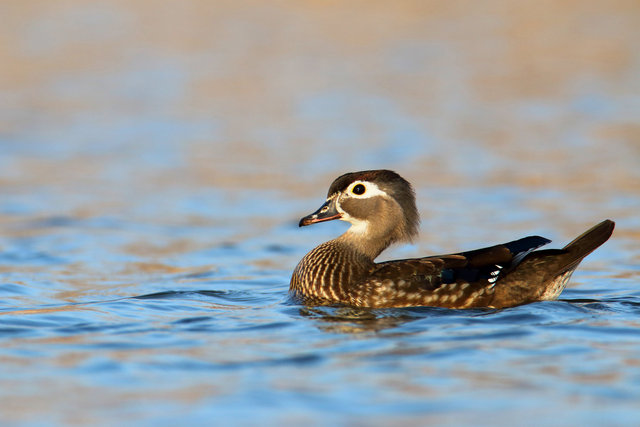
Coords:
pixel 588 241
pixel 542 275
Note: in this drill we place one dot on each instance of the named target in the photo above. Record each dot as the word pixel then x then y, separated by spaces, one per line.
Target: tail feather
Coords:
pixel 588 241
pixel 543 274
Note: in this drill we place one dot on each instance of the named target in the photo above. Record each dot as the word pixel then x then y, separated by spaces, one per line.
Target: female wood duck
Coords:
pixel 381 207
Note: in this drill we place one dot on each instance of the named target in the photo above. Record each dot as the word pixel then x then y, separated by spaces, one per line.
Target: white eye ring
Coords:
pixel 370 190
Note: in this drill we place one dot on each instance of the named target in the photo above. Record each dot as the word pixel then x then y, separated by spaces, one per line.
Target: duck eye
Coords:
pixel 359 189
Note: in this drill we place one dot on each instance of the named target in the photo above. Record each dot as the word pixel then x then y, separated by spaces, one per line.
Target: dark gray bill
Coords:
pixel 327 212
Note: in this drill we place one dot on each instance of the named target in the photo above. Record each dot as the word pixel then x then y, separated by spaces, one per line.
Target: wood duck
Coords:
pixel 380 205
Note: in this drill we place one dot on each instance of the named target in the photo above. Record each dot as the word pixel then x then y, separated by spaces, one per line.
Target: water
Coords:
pixel 155 160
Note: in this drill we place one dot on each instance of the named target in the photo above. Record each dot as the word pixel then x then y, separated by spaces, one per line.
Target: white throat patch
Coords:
pixel 357 226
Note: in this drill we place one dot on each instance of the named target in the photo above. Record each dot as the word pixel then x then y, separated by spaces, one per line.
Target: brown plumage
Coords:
pixel 380 205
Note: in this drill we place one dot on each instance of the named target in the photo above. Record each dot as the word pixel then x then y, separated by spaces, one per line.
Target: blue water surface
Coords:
pixel 210 334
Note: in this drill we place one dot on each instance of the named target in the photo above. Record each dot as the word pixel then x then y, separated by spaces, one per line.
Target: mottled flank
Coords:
pixel 343 271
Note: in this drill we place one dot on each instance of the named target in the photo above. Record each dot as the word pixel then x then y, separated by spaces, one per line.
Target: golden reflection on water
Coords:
pixel 515 79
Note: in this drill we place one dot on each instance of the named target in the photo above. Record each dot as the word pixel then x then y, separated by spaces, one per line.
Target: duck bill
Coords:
pixel 327 212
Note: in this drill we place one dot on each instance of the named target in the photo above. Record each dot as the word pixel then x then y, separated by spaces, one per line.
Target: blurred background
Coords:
pixel 145 145
pixel 126 98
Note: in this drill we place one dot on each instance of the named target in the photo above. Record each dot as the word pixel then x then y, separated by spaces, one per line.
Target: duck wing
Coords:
pixel 461 280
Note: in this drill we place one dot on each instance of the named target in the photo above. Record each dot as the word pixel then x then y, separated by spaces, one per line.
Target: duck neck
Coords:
pixel 369 246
